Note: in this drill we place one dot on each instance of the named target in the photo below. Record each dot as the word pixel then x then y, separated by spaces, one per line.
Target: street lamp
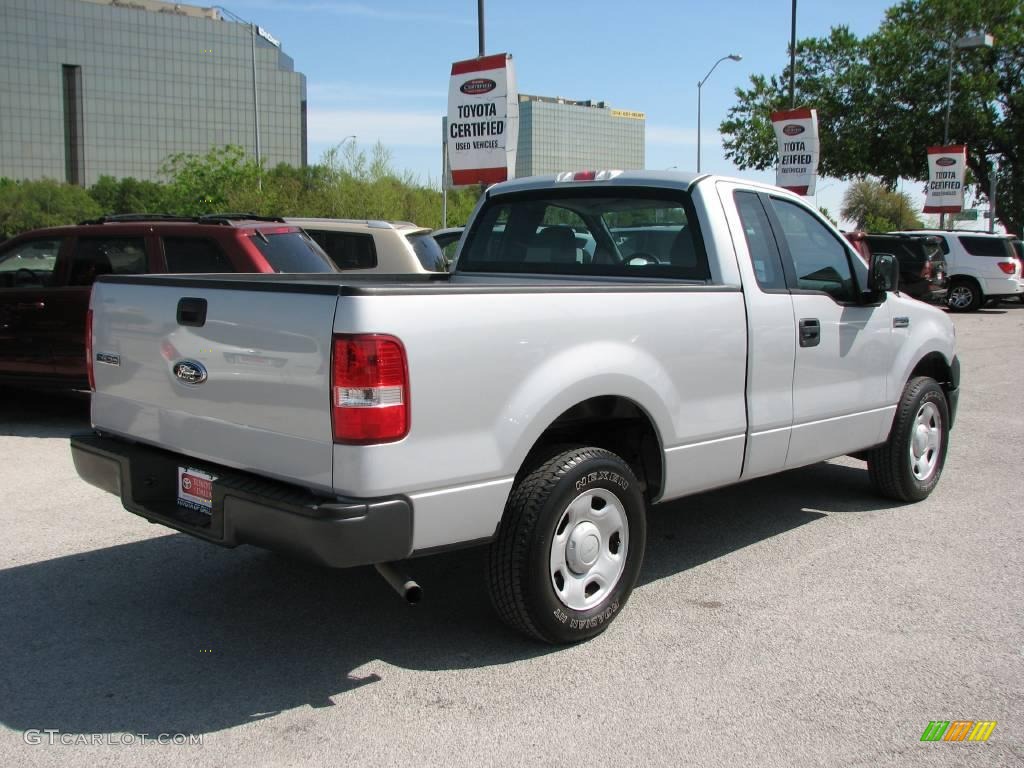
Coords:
pixel 967 42
pixel 700 84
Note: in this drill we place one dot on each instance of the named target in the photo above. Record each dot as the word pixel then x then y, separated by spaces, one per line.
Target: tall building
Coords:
pixel 558 134
pixel 112 87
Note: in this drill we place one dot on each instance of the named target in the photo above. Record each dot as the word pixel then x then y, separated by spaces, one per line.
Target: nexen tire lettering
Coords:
pixel 593 477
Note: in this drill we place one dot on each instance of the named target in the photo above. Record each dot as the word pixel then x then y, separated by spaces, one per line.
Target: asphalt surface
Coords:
pixel 798 620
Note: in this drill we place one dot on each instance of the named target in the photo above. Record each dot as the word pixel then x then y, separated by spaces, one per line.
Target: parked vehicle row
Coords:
pixel 718 330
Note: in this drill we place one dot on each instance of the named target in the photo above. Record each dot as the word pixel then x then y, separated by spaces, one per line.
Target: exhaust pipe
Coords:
pixel 408 589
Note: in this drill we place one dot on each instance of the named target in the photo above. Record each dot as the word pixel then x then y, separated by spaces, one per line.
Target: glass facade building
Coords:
pixel 558 134
pixel 112 87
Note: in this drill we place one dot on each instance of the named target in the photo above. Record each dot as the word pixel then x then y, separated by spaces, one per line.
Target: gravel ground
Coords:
pixel 797 620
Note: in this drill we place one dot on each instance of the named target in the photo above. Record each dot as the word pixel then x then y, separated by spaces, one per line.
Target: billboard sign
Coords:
pixel 946 168
pixel 797 133
pixel 483 120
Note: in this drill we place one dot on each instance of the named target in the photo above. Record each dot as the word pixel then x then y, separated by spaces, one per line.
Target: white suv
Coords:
pixel 391 247
pixel 982 267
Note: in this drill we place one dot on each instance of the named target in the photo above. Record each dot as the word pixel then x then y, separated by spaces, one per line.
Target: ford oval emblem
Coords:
pixel 189 372
pixel 945 161
pixel 477 86
pixel 793 130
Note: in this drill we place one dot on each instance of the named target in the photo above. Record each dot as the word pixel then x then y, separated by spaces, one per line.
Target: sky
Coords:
pixel 379 70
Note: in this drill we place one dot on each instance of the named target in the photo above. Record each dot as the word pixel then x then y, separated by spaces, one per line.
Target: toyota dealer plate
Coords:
pixel 195 490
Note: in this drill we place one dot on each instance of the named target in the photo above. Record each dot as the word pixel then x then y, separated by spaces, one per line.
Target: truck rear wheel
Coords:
pixel 908 465
pixel 964 295
pixel 569 547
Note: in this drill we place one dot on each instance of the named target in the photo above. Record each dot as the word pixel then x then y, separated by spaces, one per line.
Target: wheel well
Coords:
pixel 967 279
pixel 610 422
pixel 934 365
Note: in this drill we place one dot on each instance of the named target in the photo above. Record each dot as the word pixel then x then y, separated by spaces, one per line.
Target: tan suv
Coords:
pixel 366 245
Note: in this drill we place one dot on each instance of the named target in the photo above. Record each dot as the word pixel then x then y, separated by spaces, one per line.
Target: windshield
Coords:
pixel 611 232
pixel 292 252
pixel 428 252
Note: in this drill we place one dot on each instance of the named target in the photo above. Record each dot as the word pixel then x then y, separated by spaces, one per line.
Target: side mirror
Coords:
pixel 884 274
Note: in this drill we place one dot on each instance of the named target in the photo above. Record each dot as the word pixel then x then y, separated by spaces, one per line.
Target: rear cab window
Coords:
pixel 291 251
pixel 610 232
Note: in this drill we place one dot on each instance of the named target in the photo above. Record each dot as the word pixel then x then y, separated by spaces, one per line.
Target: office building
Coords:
pixel 558 134
pixel 113 87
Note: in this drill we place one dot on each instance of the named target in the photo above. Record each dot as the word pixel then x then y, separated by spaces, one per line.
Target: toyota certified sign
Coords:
pixel 797 133
pixel 483 121
pixel 946 166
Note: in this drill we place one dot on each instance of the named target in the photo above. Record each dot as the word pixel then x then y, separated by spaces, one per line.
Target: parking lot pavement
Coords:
pixel 792 621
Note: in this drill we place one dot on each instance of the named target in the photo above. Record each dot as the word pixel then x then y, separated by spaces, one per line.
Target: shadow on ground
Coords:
pixel 33 413
pixel 171 634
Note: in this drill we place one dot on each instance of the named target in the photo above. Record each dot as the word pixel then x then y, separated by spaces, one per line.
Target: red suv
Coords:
pixel 46 277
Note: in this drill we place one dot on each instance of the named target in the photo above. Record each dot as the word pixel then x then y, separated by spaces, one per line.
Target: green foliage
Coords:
pixel 347 183
pixel 876 208
pixel 881 100
pixel 46 203
pixel 129 195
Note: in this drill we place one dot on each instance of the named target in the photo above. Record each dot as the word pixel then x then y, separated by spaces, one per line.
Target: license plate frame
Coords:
pixel 195 490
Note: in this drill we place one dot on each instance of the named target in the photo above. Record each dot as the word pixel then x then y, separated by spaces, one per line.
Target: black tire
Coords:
pixel 520 578
pixel 964 295
pixel 897 468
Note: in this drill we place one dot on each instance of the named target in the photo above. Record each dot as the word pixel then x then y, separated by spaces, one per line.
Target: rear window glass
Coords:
pixel 193 254
pixel 986 246
pixel 348 250
pixel 602 232
pixel 292 252
pixel 906 250
pixel 428 252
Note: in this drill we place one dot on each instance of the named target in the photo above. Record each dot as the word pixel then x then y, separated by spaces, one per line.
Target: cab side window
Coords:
pixel 29 265
pixel 820 261
pixel 764 253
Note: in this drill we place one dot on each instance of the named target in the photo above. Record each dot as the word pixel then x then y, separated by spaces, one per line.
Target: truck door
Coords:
pixel 771 345
pixel 844 348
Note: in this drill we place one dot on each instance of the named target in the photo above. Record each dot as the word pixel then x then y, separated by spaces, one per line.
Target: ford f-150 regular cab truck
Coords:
pixel 606 341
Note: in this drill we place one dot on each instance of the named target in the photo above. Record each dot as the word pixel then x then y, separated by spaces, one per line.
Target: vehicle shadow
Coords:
pixel 35 413
pixel 170 634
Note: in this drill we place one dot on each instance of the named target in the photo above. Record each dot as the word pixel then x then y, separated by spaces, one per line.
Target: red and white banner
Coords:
pixel 483 120
pixel 797 134
pixel 946 169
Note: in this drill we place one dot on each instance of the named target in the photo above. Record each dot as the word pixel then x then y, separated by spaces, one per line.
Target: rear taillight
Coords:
pixel 369 389
pixel 1009 267
pixel 88 350
pixel 926 270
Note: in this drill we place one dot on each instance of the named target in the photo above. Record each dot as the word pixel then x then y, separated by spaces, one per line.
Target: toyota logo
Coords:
pixel 189 372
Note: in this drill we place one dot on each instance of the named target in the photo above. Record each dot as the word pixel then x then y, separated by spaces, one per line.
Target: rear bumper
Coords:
pixel 247 508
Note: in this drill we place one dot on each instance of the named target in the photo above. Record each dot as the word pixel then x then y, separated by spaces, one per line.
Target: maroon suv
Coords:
pixel 46 277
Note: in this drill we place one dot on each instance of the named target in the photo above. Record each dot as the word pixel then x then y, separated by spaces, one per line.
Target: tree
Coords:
pixel 129 195
pixel 876 208
pixel 205 183
pixel 28 205
pixel 881 100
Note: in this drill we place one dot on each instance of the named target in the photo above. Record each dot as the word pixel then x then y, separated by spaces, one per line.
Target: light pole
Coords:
pixel 975 40
pixel 700 84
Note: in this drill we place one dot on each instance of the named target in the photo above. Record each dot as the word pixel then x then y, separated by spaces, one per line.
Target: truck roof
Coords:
pixel 681 179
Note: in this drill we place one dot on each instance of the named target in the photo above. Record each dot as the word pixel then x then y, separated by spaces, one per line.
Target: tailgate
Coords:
pixel 265 349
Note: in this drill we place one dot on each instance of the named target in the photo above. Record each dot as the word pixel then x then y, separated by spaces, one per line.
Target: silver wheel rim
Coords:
pixel 925 442
pixel 588 550
pixel 960 297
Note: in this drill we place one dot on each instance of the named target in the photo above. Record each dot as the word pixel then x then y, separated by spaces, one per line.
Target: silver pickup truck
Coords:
pixel 607 341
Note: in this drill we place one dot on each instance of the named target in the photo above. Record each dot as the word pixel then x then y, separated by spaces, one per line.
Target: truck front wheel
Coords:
pixel 569 547
pixel 908 465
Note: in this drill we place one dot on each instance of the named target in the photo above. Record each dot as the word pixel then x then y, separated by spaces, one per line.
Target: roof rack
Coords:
pixel 224 218
pixel 132 217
